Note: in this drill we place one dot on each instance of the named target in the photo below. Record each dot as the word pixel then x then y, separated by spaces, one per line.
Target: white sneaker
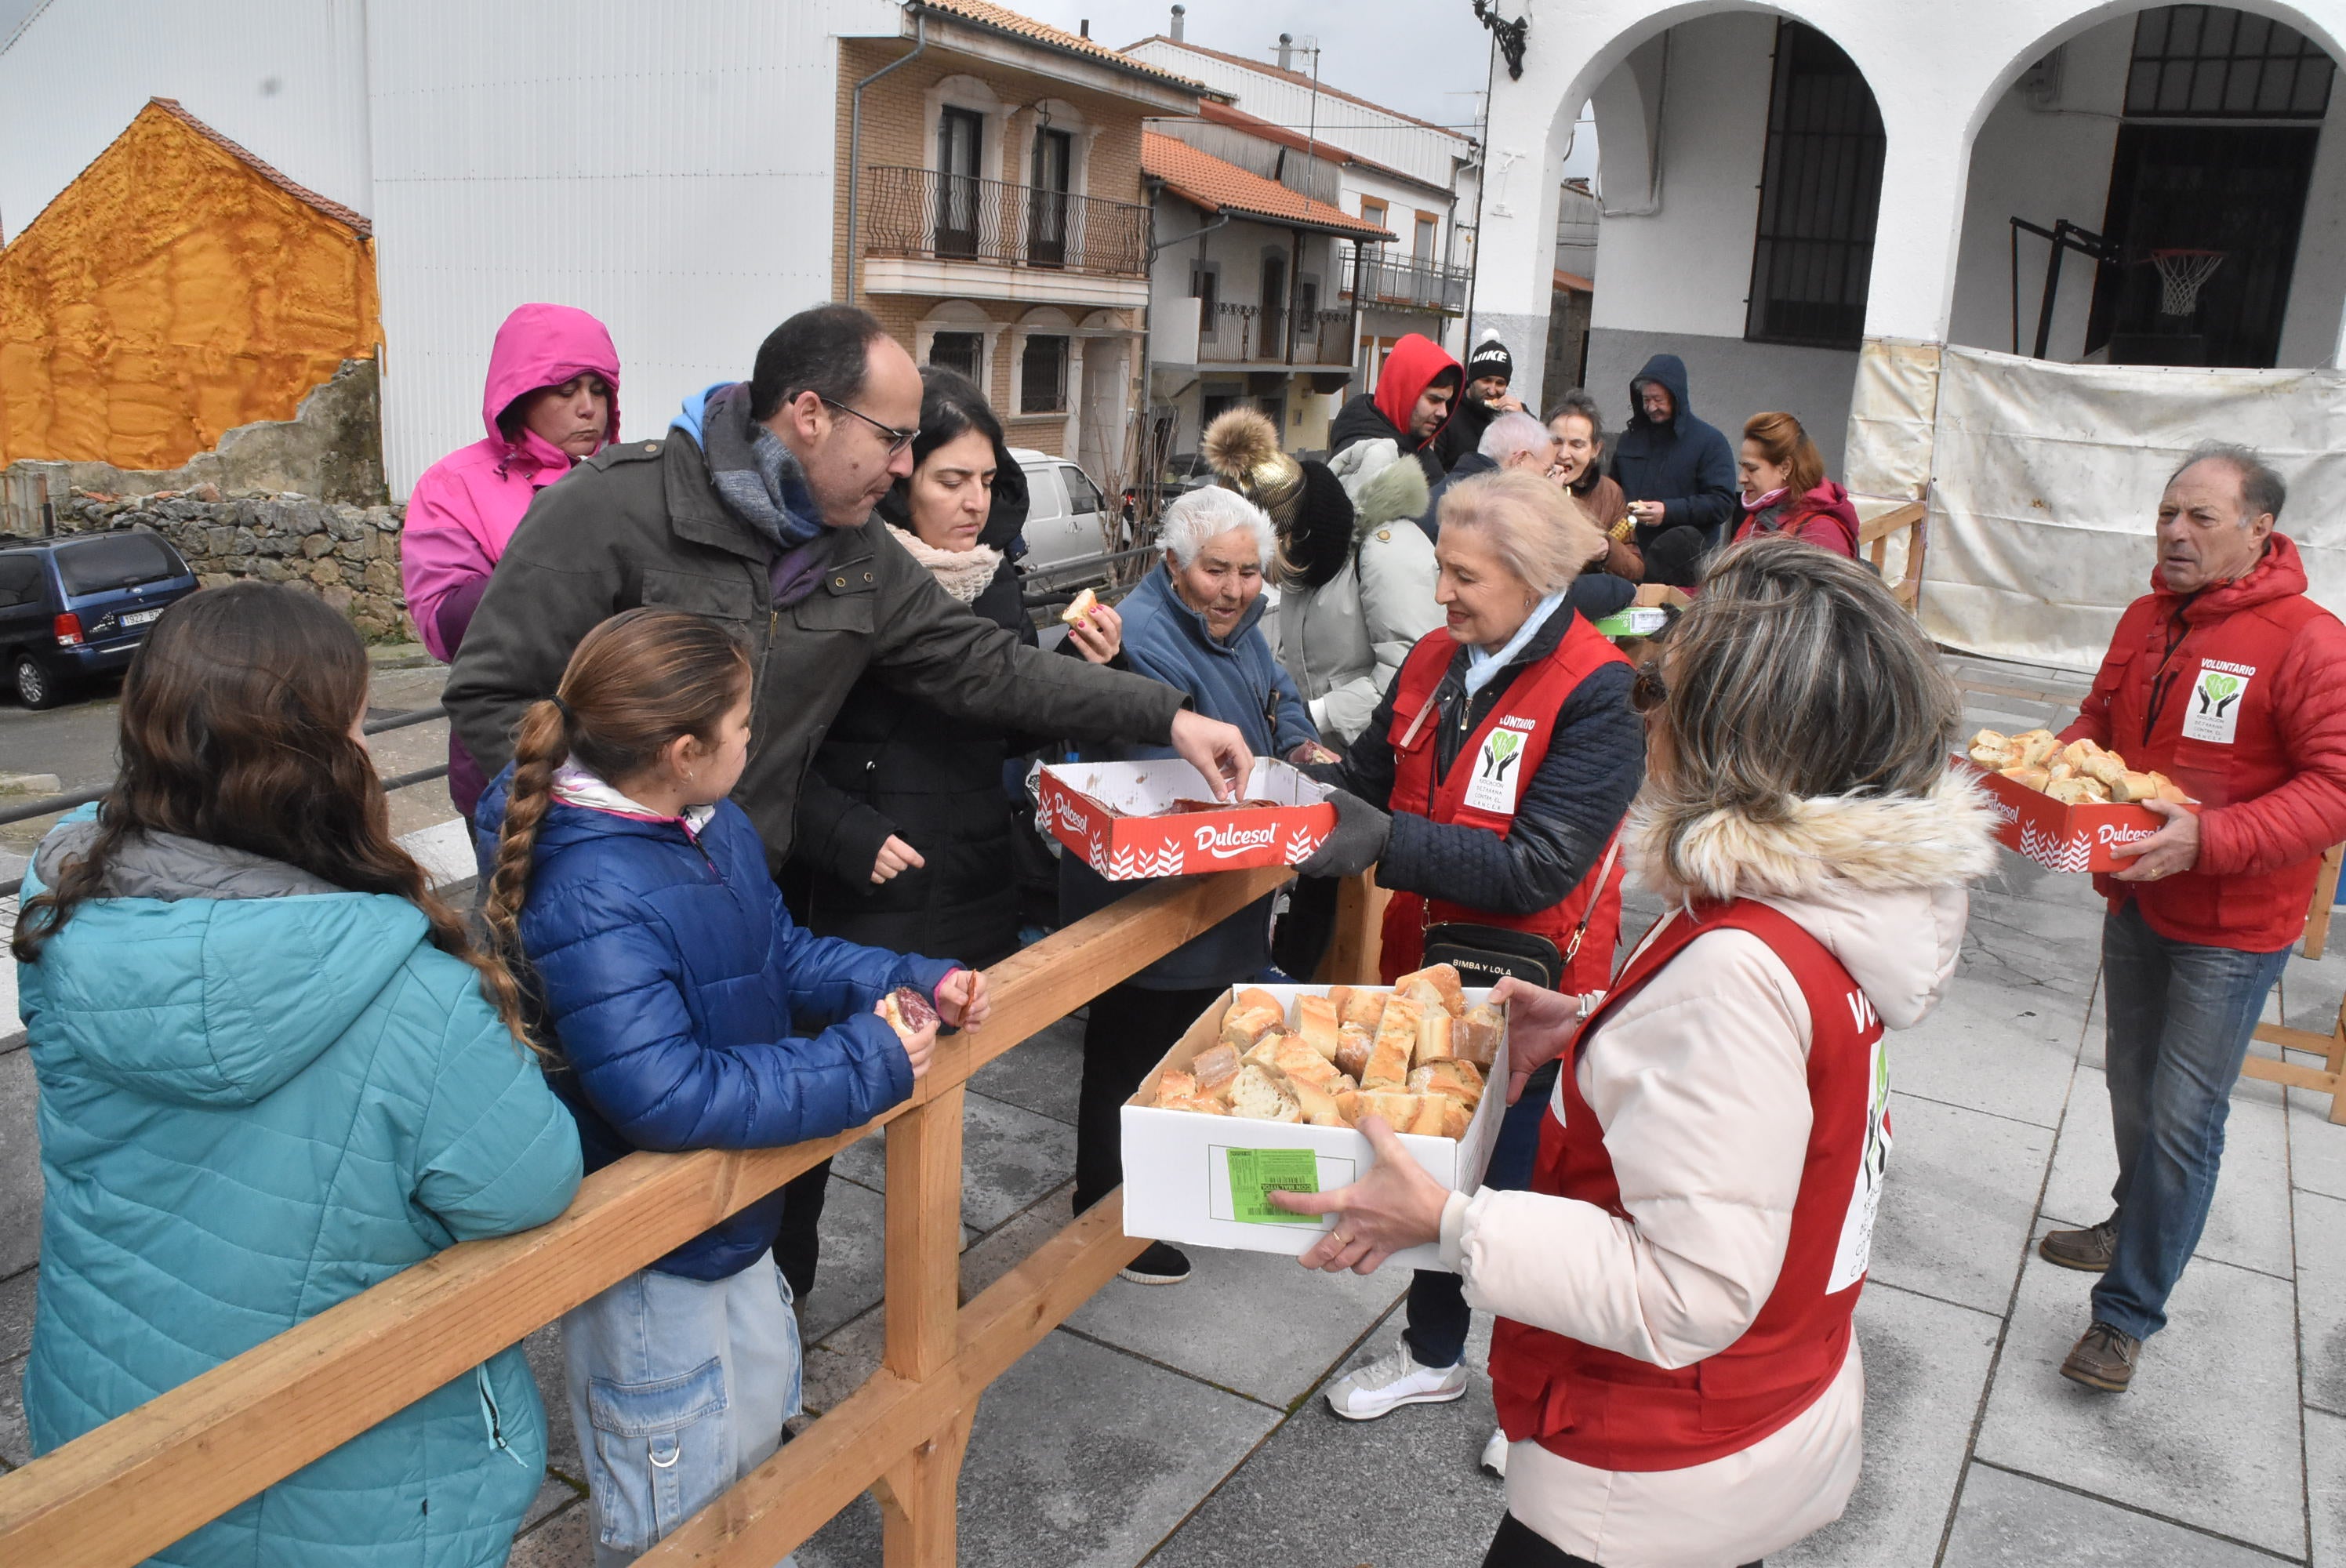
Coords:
pixel 1495 1453
pixel 1391 1382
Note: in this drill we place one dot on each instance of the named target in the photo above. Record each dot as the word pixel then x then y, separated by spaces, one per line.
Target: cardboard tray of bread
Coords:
pixel 1266 1090
pixel 1130 821
pixel 2068 808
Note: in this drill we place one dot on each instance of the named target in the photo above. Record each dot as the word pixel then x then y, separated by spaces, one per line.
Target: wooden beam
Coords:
pixel 1891 521
pixel 2325 896
pixel 1358 943
pixel 2289 1072
pixel 142 1481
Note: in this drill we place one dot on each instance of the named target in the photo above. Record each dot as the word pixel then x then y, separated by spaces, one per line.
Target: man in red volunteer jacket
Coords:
pixel 2229 680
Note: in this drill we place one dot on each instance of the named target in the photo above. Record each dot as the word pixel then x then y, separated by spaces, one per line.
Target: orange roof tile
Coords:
pixel 1219 186
pixel 1002 19
pixel 331 208
pixel 1573 282
pixel 1298 78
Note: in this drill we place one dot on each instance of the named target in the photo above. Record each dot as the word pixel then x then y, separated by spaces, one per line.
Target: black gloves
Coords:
pixel 1359 838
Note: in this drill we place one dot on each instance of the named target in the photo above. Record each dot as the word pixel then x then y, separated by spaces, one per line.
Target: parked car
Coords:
pixel 78 605
pixel 1067 519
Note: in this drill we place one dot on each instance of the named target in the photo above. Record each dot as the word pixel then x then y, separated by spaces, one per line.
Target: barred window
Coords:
pixel 1820 190
pixel 958 352
pixel 1043 375
pixel 2207 61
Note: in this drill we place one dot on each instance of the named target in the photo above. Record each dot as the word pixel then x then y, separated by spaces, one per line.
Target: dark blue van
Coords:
pixel 79 605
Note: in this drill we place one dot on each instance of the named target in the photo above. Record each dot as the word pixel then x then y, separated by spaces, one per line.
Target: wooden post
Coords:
pixel 1353 952
pixel 922 1299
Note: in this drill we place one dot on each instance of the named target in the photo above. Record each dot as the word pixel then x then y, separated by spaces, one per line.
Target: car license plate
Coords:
pixel 140 617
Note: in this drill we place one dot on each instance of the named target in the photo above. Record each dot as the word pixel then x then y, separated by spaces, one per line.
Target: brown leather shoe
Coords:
pixel 2103 1357
pixel 2088 1249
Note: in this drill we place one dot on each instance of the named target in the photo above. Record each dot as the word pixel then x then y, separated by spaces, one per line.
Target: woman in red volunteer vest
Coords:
pixel 1674 1364
pixel 1487 789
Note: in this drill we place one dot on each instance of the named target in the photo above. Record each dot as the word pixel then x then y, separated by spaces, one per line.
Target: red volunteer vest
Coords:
pixel 1604 1410
pixel 1483 785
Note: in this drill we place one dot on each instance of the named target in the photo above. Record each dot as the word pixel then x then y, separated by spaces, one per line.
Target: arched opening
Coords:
pixel 2165 187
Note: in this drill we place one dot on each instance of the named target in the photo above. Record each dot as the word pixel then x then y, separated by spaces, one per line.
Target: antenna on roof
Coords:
pixel 1084 27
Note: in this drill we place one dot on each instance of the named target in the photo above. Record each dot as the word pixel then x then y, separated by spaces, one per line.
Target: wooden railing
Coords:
pixel 145 1479
pixel 1873 537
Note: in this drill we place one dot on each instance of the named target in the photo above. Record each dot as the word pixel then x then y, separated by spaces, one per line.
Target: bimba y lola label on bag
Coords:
pixel 2217 697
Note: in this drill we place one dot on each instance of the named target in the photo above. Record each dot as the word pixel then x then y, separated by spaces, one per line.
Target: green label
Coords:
pixel 1256 1173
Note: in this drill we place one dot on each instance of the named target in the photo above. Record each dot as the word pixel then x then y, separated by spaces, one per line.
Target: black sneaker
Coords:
pixel 2088 1250
pixel 1158 1264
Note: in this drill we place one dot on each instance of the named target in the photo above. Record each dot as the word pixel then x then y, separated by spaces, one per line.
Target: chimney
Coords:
pixel 1286 51
pixel 1084 27
pixel 1178 12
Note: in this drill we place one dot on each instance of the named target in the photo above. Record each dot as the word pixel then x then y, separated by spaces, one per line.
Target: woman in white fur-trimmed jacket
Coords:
pixel 1674 1365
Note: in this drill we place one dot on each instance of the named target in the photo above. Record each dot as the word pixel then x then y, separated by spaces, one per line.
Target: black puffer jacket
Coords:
pixel 1687 464
pixel 1594 765
pixel 893 764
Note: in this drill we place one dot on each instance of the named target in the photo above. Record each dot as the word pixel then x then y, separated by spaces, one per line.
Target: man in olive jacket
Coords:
pixel 756 511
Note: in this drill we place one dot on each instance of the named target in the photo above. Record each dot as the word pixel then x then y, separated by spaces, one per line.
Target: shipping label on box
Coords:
pixel 1199 1180
pixel 2058 837
pixel 1130 821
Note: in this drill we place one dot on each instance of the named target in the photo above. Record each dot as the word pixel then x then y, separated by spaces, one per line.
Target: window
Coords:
pixel 1272 343
pixel 1422 244
pixel 1820 188
pixel 117 561
pixel 1373 211
pixel 20 579
pixel 1043 375
pixel 961 139
pixel 1047 202
pixel 1082 495
pixel 962 351
pixel 2206 61
pixel 1205 287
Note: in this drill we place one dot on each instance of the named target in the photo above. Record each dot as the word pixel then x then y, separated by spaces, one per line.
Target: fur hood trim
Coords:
pixel 1868 842
pixel 1395 492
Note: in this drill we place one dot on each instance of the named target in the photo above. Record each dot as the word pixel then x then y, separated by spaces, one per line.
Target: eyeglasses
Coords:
pixel 898 439
pixel 1648 690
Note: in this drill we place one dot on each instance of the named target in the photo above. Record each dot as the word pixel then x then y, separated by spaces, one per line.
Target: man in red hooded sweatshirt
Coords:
pixel 1414 392
pixel 2227 677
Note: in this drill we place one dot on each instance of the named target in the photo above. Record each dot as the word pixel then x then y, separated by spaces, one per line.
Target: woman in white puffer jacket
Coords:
pixel 1674 1366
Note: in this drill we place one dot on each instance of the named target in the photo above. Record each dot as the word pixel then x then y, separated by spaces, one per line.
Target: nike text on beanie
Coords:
pixel 1491 359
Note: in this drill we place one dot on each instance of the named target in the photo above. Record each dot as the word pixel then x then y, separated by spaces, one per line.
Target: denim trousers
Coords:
pixel 1439 1317
pixel 2179 1014
pixel 679 1387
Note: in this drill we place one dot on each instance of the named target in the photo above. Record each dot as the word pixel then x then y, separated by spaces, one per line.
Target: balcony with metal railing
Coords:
pixel 1404 282
pixel 923 232
pixel 1248 337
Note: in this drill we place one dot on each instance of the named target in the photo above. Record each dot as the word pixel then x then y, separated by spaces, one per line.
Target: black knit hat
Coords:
pixel 1491 358
pixel 1314 546
pixel 1677 556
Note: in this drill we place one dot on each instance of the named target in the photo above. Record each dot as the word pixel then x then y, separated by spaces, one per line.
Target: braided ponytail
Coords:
pixel 539 746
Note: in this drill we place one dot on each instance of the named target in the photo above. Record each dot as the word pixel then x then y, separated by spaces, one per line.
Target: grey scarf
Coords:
pixel 755 474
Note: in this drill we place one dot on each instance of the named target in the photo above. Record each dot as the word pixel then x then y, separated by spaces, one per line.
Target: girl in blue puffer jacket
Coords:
pixel 667 972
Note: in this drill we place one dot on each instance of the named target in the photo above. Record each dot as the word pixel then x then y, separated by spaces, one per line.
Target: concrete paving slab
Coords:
pixel 2209 1434
pixel 544 1350
pixel 1256 1323
pixel 853 1271
pixel 2317 1146
pixel 20 1154
pixel 2321 1298
pixel 1302 1498
pixel 1962 1198
pixel 2011 1520
pixel 1993 1045
pixel 2028 941
pixel 2248 1219
pixel 16 1440
pixel 1044 1073
pixel 2325 1470
pixel 838 1366
pixel 1095 1493
pixel 16 1297
pixel 565 1539
pixel 1010 1157
pixel 1926 1365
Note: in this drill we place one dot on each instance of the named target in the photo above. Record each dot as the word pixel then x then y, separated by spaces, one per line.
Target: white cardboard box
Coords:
pixel 1177 1168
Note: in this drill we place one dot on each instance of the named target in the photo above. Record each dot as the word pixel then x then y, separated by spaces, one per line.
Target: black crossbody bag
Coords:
pixel 1483 954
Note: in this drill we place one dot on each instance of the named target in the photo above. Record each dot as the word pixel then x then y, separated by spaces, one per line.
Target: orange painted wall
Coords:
pixel 171 292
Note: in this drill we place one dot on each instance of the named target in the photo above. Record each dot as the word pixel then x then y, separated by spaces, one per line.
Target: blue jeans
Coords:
pixel 2179 1018
pixel 679 1387
pixel 1439 1317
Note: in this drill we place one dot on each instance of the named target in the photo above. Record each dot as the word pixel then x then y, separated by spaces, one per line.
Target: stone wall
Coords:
pixel 346 554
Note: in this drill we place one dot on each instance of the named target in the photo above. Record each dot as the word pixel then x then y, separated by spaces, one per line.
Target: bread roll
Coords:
pixel 907 1012
pixel 2077 791
pixel 2105 769
pixel 1314 1102
pixel 1264 1052
pixel 1388 1063
pixel 1455 1118
pixel 1398 1108
pixel 1256 996
pixel 1299 1063
pixel 1993 750
pixel 1316 1018
pixel 1363 1005
pixel 1480 1035
pixel 1214 1067
pixel 2034 747
pixel 2077 753
pixel 1462 1080
pixel 2130 786
pixel 1257 1097
pixel 1435 1035
pixel 1243 1026
pixel 1449 991
pixel 1348 1105
pixel 1197 1105
pixel 1353 1047
pixel 1079 607
pixel 2031 776
pixel 2168 790
pixel 1326 1119
pixel 1176 1085
pixel 1422 994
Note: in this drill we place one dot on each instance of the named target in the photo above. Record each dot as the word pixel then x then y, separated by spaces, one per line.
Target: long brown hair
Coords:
pixel 236 731
pixel 637 683
pixel 1782 440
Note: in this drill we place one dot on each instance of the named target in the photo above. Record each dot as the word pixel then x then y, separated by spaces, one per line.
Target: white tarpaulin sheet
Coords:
pixel 2046 480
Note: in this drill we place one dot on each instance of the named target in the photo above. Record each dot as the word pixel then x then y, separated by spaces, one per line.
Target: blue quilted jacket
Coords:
pixel 671 974
pixel 261 1095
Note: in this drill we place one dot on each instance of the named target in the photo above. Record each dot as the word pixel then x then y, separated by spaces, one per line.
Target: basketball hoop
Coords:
pixel 2182 274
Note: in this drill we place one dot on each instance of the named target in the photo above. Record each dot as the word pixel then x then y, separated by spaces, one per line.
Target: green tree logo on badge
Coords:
pixel 2217 692
pixel 1500 753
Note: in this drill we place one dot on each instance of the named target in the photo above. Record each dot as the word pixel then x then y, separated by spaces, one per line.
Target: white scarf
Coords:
pixel 964 574
pixel 1483 666
pixel 574 786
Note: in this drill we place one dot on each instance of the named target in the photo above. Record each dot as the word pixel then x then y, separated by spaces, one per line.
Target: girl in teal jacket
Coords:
pixel 273 1074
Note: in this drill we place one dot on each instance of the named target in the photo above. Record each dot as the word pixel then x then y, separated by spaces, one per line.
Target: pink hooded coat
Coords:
pixel 467 504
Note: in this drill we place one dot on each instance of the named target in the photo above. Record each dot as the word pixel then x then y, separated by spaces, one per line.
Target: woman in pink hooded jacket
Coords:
pixel 552 400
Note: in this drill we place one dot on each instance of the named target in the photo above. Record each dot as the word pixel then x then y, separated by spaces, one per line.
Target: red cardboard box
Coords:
pixel 2057 837
pixel 1106 812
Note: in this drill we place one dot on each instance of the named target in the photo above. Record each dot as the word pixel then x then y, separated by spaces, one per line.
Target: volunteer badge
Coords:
pixel 1498 768
pixel 2214 712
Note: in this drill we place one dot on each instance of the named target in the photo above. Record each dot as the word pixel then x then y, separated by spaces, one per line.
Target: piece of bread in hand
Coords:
pixel 1436 1037
pixel 1079 609
pixel 1441 988
pixel 907 1012
pixel 1993 750
pixel 1243 1026
pixel 1480 1035
pixel 1353 1045
pixel 1214 1067
pixel 2029 777
pixel 1175 1085
pixel 1361 1004
pixel 1259 1096
pixel 2034 747
pixel 1316 1021
pixel 1256 996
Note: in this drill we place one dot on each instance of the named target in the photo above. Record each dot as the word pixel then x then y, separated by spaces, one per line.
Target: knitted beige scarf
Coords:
pixel 964 574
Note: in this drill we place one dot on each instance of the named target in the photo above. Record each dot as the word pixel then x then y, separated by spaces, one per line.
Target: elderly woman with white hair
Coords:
pixel 1190 623
pixel 1486 791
